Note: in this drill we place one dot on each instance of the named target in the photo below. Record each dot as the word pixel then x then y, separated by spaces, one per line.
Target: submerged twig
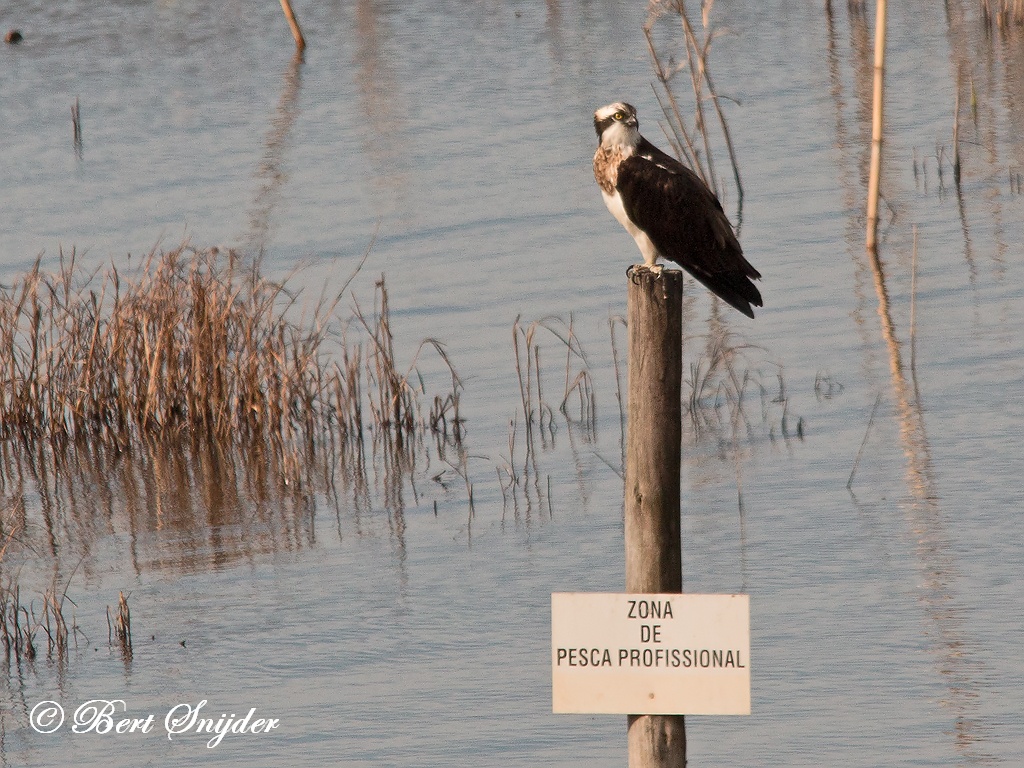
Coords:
pixel 860 451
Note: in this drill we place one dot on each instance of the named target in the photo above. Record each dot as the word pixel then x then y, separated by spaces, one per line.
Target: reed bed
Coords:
pixel 187 390
pixel 198 343
pixel 192 341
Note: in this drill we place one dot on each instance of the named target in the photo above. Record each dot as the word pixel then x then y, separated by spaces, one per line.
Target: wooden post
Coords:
pixel 874 177
pixel 653 445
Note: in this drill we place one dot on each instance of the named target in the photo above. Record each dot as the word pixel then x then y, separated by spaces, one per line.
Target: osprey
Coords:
pixel 668 210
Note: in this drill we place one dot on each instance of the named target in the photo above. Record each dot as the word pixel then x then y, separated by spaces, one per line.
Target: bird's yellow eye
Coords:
pixel 618 116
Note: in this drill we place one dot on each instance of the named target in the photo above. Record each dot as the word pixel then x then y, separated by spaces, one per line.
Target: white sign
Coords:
pixel 650 654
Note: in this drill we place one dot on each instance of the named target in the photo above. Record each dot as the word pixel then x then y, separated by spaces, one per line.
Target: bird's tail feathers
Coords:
pixel 734 288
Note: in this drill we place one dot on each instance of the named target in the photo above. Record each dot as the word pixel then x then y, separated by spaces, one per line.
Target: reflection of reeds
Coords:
pixel 721 387
pixel 76 128
pixel 1003 13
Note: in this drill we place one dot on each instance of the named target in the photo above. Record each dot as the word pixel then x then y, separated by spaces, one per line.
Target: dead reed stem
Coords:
pixel 612 322
pixel 76 128
pixel 120 627
pixel 876 127
pixel 538 415
pixel 300 41
pixel 863 442
pixel 681 137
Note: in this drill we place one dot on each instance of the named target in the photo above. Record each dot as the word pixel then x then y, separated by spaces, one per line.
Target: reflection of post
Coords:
pixel 300 41
pixel 270 172
pixel 876 127
pixel 653 440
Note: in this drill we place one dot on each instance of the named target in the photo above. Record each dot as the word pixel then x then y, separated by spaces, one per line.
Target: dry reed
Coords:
pixel 187 385
pixel 20 624
pixel 877 123
pixel 684 139
pixel 76 128
pixel 293 24
pixel 119 627
pixel 577 406
pixel 727 394
pixel 198 343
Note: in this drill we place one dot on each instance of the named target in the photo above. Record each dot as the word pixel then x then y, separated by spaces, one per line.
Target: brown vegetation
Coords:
pixel 199 343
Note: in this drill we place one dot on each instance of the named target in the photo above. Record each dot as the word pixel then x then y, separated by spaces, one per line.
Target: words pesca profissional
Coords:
pixel 666 658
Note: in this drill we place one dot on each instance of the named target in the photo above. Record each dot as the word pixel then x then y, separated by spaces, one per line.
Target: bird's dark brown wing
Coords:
pixel 687 225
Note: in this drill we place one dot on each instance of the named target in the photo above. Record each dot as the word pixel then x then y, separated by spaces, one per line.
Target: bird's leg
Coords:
pixel 651 262
pixel 654 269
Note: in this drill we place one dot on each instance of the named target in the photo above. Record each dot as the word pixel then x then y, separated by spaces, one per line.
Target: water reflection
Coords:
pixel 925 517
pixel 187 506
pixel 933 546
pixel 991 90
pixel 184 506
pixel 270 174
pixel 380 94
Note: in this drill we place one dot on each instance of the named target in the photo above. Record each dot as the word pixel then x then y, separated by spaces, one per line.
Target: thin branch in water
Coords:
pixel 860 452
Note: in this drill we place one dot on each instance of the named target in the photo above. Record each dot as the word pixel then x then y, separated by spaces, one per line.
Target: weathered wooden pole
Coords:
pixel 654 561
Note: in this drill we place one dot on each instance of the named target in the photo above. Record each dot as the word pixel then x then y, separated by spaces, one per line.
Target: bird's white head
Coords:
pixel 616 124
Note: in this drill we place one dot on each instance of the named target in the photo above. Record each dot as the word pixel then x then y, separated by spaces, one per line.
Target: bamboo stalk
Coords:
pixel 876 127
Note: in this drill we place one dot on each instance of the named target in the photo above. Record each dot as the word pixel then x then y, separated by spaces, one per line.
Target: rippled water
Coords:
pixel 384 630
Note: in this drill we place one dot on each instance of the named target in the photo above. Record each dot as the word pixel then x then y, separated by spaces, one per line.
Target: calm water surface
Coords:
pixel 384 631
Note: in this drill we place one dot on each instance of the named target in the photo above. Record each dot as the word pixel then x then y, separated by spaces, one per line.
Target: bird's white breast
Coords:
pixel 643 242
